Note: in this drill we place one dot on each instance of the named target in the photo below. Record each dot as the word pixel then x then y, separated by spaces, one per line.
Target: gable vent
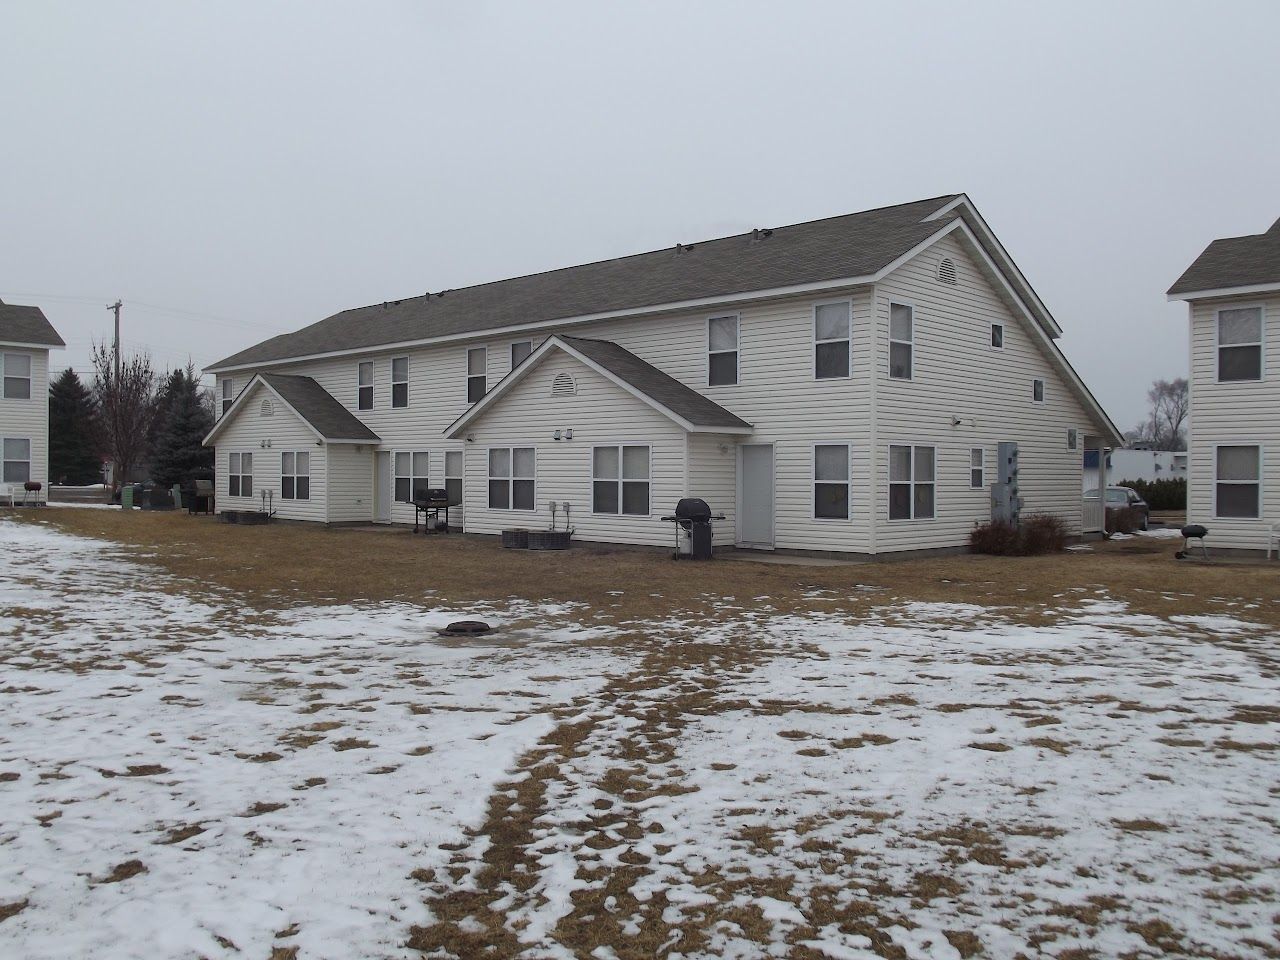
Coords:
pixel 946 270
pixel 267 409
pixel 563 386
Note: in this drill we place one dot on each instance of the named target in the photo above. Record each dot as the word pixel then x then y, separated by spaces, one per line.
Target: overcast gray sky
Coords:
pixel 234 170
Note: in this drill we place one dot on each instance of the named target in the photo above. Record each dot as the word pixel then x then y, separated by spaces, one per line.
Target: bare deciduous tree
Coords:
pixel 127 406
pixel 1165 426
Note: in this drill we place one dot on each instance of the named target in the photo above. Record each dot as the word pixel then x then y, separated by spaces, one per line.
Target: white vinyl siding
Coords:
pixel 348 493
pixel 964 394
pixel 711 475
pixel 1239 413
pixel 24 412
pixel 264 439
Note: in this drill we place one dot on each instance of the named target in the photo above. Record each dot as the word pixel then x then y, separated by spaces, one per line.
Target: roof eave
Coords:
pixel 1174 294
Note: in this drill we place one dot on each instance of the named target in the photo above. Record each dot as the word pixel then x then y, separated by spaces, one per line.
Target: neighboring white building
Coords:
pixel 26 338
pixel 839 385
pixel 1233 293
pixel 1126 464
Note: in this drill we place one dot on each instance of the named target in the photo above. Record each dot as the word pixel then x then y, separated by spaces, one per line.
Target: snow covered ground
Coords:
pixel 183 775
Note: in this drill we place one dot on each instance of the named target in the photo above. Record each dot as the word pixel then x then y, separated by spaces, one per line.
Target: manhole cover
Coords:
pixel 465 628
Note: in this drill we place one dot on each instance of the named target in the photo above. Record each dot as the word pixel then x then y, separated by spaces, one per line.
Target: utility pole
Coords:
pixel 115 349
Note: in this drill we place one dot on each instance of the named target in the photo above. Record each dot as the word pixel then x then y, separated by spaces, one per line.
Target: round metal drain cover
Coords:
pixel 465 628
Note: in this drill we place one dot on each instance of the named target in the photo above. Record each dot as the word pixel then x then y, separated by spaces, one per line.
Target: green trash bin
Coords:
pixel 126 497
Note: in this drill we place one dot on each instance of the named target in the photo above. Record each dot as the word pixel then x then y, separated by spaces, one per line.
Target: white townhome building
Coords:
pixel 840 385
pixel 26 338
pixel 1233 293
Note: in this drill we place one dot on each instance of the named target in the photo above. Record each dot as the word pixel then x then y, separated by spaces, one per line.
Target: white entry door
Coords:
pixel 755 495
pixel 382 487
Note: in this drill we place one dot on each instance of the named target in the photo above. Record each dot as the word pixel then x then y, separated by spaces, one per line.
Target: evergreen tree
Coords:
pixel 73 415
pixel 183 420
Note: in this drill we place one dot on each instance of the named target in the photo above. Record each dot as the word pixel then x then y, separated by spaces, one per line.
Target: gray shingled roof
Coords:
pixel 854 245
pixel 27 325
pixel 319 408
pixel 665 390
pixel 1234 262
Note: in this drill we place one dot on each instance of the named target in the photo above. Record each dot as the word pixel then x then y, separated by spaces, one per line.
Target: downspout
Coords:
pixel 873 459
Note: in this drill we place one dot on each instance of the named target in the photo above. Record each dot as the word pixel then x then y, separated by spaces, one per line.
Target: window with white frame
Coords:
pixel 512 478
pixel 227 396
pixel 16 455
pixel 399 381
pixel 997 336
pixel 520 351
pixel 911 482
pixel 620 480
pixel 977 468
pixel 902 338
pixel 832 340
pixel 17 375
pixel 1238 491
pixel 295 475
pixel 831 481
pixel 477 373
pixel 453 475
pixel 1037 390
pixel 411 475
pixel 240 475
pixel 1239 344
pixel 722 351
pixel 364 385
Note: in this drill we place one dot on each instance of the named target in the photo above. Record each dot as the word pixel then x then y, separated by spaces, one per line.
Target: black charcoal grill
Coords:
pixel 428 503
pixel 693 518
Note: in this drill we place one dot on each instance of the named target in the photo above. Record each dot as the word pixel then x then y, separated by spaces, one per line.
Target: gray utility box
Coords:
pixel 1006 503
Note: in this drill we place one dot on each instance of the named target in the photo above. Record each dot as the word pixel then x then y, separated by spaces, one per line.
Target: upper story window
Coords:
pixel 227 396
pixel 1037 390
pixel 1239 344
pixel 722 351
pixel 400 381
pixel 17 375
pixel 477 370
pixel 364 385
pixel 1238 477
pixel 997 336
pixel 520 351
pixel 295 476
pixel 832 340
pixel 901 340
pixel 1073 441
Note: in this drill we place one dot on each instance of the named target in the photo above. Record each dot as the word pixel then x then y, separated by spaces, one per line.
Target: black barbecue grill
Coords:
pixel 428 503
pixel 693 528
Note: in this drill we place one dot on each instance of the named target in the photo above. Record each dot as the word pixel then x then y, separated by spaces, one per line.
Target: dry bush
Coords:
pixel 998 538
pixel 1039 533
pixel 1122 520
pixel 1043 533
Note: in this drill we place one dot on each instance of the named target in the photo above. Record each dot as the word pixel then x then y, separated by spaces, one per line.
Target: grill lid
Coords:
pixel 692 508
